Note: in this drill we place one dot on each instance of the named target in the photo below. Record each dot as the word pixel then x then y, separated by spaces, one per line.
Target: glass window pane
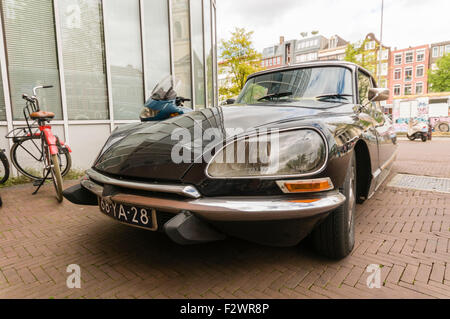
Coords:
pixel 197 46
pixel 182 50
pixel 208 50
pixel 125 57
pixel 2 102
pixel 214 43
pixel 83 56
pixel 156 36
pixel 31 49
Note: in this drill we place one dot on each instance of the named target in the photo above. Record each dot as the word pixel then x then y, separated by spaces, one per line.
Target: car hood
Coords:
pixel 144 151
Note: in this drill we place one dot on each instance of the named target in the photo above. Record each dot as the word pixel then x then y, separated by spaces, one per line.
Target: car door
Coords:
pixel 367 120
pixel 382 128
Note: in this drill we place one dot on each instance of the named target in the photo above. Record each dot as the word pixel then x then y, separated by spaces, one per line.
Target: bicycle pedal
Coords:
pixel 37 182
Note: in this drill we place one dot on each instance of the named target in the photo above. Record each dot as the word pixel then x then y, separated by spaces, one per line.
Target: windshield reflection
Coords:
pixel 324 84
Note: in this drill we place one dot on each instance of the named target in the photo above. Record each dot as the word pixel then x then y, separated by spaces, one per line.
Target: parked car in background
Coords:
pixel 333 149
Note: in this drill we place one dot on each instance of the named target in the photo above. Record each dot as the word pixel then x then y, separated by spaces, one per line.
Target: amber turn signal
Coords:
pixel 306 186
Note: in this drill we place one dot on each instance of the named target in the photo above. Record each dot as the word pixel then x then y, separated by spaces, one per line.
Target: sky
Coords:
pixel 406 22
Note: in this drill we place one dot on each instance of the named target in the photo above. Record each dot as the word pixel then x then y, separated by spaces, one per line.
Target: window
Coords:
pixel 370 45
pixel 419 71
pixel 197 46
pixel 447 48
pixel 420 56
pixel 441 50
pixel 156 35
pixel 407 90
pixel 182 52
pixel 408 74
pixel 384 69
pixel 398 59
pixel 83 55
pixel 2 102
pixel 384 54
pixel 397 89
pixel 409 57
pixel 419 88
pixel 208 50
pixel 397 74
pixel 364 83
pixel 31 54
pixel 125 58
pixel 270 62
pixel 435 52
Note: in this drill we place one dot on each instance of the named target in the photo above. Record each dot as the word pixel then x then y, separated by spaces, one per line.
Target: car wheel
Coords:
pixel 424 138
pixel 335 236
pixel 444 127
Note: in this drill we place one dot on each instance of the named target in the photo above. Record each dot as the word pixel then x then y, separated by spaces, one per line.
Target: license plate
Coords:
pixel 132 215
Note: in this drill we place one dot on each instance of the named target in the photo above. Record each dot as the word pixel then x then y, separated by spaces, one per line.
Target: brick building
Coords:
pixel 408 72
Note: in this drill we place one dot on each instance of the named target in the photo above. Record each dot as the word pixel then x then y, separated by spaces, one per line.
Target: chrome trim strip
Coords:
pixel 184 190
pixel 322 135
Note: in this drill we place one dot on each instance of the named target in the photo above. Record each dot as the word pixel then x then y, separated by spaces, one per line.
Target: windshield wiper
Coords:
pixel 279 94
pixel 332 96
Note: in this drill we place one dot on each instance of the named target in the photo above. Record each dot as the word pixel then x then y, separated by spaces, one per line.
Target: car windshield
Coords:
pixel 323 84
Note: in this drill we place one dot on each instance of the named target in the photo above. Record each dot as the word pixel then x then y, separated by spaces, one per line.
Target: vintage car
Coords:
pixel 307 143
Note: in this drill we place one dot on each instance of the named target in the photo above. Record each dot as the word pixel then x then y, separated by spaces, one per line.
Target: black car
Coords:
pixel 291 157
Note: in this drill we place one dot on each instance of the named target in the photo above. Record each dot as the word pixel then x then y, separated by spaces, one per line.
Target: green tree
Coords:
pixel 240 60
pixel 439 79
pixel 357 53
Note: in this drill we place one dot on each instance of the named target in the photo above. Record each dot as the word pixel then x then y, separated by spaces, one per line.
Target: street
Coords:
pixel 406 232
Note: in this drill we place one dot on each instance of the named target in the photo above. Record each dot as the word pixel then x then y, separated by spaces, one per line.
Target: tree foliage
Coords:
pixel 357 53
pixel 439 79
pixel 240 60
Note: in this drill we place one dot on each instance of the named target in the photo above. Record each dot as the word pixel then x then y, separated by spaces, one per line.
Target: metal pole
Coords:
pixel 381 43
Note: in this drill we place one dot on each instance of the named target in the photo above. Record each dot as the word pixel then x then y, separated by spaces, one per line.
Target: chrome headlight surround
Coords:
pixel 281 131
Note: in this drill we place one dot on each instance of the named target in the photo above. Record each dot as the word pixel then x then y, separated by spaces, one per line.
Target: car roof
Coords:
pixel 348 64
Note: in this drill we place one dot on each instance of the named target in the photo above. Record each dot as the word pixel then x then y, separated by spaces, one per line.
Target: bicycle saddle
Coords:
pixel 42 115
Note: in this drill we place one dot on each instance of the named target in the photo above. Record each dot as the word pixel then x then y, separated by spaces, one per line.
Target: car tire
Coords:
pixel 335 236
pixel 424 138
pixel 443 127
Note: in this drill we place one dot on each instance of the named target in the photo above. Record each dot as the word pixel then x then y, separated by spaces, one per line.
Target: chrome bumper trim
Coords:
pixel 234 208
pixel 183 190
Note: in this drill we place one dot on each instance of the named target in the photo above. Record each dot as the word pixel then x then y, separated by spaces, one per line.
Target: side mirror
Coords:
pixel 378 94
pixel 231 101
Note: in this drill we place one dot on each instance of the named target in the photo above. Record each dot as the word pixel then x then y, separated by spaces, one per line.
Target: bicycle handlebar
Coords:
pixel 41 87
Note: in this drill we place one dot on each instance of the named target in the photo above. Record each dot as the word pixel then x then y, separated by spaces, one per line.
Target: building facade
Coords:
pixel 308 49
pixel 276 56
pixel 334 50
pixel 437 51
pixel 103 58
pixel 408 72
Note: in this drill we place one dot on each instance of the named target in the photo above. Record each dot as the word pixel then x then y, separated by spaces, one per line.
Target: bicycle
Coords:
pixel 4 167
pixel 41 146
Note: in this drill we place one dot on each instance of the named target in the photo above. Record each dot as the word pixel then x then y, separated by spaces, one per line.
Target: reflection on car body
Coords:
pixel 331 109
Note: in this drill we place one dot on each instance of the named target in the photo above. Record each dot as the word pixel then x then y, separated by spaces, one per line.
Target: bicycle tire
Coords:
pixel 6 168
pixel 56 177
pixel 14 159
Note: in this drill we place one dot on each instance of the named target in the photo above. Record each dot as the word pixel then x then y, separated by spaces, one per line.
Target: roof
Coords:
pixel 309 64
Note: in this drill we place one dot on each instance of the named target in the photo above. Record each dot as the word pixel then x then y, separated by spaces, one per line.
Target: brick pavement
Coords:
pixel 407 232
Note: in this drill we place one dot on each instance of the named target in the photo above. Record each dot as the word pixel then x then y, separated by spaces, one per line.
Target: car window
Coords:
pixel 364 83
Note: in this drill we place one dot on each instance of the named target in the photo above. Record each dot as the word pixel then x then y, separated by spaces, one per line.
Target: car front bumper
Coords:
pixel 247 217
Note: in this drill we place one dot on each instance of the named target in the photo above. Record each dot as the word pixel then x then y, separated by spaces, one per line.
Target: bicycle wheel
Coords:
pixel 27 157
pixel 4 167
pixel 56 177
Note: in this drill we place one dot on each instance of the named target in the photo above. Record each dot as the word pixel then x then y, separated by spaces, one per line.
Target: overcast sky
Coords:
pixel 406 22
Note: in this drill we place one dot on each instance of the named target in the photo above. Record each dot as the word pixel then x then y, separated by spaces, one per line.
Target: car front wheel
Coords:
pixel 335 236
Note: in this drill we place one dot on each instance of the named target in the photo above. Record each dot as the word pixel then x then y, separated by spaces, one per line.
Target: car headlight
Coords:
pixel 292 153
